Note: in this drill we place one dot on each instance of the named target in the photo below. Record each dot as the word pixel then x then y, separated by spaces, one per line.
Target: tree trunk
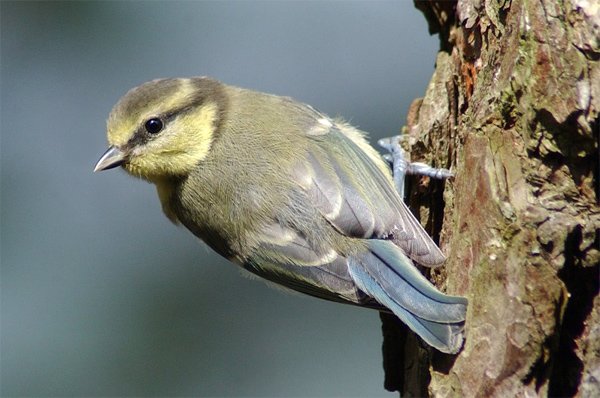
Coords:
pixel 512 109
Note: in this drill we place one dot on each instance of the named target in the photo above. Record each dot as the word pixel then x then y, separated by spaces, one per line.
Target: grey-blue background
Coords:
pixel 101 295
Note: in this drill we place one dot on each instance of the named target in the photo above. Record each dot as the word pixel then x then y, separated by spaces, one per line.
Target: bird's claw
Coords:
pixel 401 167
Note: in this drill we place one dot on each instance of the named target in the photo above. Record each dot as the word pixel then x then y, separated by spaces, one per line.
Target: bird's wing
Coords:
pixel 379 276
pixel 347 181
pixel 285 257
pixel 342 190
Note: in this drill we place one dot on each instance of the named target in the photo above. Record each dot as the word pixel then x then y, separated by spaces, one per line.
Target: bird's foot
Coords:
pixel 401 167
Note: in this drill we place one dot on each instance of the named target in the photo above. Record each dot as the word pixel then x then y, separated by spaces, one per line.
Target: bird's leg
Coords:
pixel 395 157
pixel 401 167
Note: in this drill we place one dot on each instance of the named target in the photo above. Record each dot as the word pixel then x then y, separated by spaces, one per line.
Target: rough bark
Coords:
pixel 512 109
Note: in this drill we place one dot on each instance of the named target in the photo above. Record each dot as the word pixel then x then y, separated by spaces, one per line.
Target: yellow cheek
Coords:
pixel 192 139
pixel 179 149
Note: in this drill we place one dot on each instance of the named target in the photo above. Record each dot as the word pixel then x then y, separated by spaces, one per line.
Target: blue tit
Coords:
pixel 285 192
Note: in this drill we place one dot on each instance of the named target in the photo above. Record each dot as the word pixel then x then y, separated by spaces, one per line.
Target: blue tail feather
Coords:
pixel 389 276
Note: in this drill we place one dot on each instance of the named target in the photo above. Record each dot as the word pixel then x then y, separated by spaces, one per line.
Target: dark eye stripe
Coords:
pixel 149 129
pixel 206 89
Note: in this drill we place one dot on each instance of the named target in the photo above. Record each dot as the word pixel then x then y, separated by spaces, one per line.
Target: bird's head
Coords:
pixel 163 128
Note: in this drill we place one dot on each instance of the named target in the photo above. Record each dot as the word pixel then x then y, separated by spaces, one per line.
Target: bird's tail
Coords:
pixel 389 276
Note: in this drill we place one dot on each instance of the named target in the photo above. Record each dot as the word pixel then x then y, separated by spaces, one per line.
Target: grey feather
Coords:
pixel 285 257
pixel 357 198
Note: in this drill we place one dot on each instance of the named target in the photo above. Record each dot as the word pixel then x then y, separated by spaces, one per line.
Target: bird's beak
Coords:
pixel 113 157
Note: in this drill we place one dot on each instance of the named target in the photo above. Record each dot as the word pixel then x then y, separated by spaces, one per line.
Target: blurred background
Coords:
pixel 101 295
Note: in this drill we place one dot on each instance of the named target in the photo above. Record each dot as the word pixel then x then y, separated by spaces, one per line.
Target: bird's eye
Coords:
pixel 154 125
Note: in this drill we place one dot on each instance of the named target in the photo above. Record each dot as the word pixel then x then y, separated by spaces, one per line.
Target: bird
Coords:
pixel 285 192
